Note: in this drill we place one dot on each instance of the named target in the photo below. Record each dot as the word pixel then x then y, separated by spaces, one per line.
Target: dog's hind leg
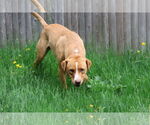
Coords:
pixel 42 50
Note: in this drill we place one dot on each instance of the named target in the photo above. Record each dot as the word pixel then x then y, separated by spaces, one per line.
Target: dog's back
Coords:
pixel 63 41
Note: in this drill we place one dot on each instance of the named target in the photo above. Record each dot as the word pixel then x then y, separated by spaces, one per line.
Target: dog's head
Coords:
pixel 76 67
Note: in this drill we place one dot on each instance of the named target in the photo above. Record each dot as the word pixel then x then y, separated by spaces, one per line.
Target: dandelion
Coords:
pixel 27 49
pixel 138 51
pixel 91 116
pixel 66 121
pixel 91 106
pixel 66 110
pixel 99 119
pixel 18 66
pixel 14 62
pixel 143 43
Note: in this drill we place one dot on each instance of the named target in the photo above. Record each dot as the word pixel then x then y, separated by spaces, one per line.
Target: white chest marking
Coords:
pixel 77 77
pixel 76 51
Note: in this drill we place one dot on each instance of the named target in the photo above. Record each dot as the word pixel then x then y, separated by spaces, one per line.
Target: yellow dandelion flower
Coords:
pixel 143 43
pixel 99 119
pixel 18 66
pixel 28 49
pixel 66 110
pixel 14 62
pixel 138 51
pixel 66 121
pixel 91 106
pixel 91 116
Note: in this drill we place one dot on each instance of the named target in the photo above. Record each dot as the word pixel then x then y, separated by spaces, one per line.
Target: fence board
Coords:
pixel 88 20
pixel 95 21
pixel 54 8
pixel 148 23
pixel 88 27
pixel 105 23
pixel 9 29
pixel 134 30
pixel 15 27
pixel 127 30
pixel 112 25
pixel 134 25
pixel 35 25
pixel 100 32
pixel 22 24
pixel 60 14
pixel 22 31
pixel 142 23
pixel 65 13
pixel 148 29
pixel 49 9
pixel 127 24
pixel 3 37
pixel 8 17
pixel 142 27
pixel 28 23
pixel 15 23
pixel 74 16
pixel 96 25
pixel 119 26
pixel 52 15
pixel 112 31
pixel 120 35
pixel 105 30
pixel 81 21
pixel 67 17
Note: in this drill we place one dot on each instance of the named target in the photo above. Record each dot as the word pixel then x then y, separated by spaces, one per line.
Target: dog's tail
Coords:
pixel 39 18
pixel 36 15
pixel 39 6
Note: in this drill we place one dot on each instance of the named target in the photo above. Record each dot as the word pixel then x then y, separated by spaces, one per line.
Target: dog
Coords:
pixel 68 48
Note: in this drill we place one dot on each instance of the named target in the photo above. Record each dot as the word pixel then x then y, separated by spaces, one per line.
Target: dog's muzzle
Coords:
pixel 77 84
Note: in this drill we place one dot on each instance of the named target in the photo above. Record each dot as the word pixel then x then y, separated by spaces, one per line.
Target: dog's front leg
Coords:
pixel 62 77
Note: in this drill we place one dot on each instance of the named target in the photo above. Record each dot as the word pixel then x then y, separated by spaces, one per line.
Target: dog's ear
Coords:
pixel 64 64
pixel 88 63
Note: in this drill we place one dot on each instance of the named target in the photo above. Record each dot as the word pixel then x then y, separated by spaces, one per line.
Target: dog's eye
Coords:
pixel 82 70
pixel 71 71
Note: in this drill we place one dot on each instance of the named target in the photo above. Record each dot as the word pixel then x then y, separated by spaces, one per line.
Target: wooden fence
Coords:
pixel 116 30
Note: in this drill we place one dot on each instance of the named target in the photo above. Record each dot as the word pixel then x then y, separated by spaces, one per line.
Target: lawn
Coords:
pixel 117 83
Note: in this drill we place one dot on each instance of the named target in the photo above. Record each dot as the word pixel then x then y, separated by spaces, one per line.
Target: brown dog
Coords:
pixel 68 48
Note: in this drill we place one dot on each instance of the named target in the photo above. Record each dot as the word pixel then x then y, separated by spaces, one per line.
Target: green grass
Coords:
pixel 117 83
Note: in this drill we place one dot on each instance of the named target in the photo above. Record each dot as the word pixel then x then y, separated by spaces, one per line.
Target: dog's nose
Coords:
pixel 77 83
